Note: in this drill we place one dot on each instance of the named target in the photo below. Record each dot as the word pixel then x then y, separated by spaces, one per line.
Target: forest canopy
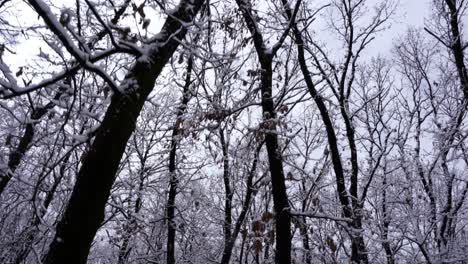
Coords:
pixel 239 131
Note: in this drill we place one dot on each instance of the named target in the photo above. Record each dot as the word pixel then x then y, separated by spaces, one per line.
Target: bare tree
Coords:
pixel 85 210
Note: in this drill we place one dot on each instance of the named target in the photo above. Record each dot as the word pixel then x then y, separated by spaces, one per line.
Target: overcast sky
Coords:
pixel 415 10
pixel 409 13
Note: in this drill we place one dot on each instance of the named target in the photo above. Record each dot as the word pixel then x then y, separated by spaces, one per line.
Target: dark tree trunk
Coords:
pixel 457 47
pixel 85 210
pixel 33 230
pixel 358 247
pixel 385 225
pixel 18 153
pixel 301 222
pixel 229 245
pixel 228 191
pixel 351 209
pixel 241 254
pixel 131 225
pixel 269 127
pixel 15 156
pixel 306 245
pixel 305 240
pixel 174 180
pixel 280 198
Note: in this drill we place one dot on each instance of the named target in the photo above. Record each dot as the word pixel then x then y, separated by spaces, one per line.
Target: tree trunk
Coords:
pixel 227 252
pixel 131 225
pixel 280 198
pixel 457 47
pixel 358 247
pixel 18 153
pixel 228 190
pixel 33 230
pixel 85 210
pixel 174 181
pixel 305 240
pixel 269 127
pixel 386 223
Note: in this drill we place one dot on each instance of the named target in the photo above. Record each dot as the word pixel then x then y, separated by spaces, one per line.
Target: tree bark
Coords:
pixel 18 153
pixel 33 230
pixel 131 225
pixel 174 180
pixel 269 127
pixel 456 46
pixel 280 198
pixel 229 245
pixel 351 209
pixel 85 210
pixel 386 223
pixel 228 190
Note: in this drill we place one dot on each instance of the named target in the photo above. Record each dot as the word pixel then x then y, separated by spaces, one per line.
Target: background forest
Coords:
pixel 240 131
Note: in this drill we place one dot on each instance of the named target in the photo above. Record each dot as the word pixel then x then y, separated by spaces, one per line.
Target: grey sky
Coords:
pixel 408 13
